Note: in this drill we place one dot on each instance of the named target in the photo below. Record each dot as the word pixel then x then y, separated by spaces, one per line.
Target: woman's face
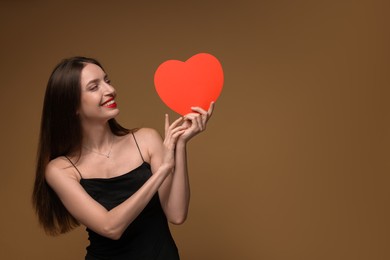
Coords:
pixel 97 95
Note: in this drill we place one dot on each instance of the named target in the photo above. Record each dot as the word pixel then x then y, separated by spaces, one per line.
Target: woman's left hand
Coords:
pixel 195 122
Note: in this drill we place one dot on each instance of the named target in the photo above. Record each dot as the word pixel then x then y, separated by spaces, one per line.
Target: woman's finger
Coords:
pixel 199 110
pixel 166 124
pixel 211 109
pixel 171 129
pixel 205 114
pixel 199 122
pixel 177 129
pixel 201 118
pixel 196 121
pixel 176 123
pixel 169 126
pixel 177 134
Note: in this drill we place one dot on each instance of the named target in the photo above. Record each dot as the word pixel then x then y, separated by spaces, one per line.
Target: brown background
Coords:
pixel 294 164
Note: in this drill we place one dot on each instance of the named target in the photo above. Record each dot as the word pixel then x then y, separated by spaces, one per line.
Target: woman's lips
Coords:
pixel 110 103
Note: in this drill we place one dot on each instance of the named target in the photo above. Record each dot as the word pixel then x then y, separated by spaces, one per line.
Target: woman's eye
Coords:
pixel 108 81
pixel 93 88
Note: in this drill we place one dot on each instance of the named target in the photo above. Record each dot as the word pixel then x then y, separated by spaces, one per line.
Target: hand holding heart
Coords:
pixel 194 83
pixel 190 125
pixel 196 122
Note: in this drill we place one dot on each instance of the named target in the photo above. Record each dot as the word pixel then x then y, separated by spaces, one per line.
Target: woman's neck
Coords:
pixel 97 138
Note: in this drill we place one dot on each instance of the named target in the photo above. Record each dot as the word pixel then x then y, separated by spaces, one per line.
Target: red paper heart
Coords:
pixel 195 82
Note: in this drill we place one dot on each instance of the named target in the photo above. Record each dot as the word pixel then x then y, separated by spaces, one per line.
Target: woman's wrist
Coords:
pixel 165 169
pixel 181 144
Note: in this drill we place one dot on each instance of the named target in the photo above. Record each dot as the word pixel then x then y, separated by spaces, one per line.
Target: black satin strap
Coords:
pixel 139 150
pixel 74 166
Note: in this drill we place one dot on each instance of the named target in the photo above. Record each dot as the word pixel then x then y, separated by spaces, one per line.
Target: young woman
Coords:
pixel 123 185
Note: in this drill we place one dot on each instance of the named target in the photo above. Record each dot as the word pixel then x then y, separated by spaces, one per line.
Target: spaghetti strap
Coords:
pixel 74 166
pixel 139 150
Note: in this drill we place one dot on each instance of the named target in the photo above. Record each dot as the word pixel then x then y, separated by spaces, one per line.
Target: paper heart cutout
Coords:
pixel 195 82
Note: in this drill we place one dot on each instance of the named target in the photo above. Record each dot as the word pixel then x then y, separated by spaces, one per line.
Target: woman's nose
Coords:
pixel 108 88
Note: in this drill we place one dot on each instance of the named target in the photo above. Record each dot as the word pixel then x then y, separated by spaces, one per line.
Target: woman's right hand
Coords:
pixel 172 134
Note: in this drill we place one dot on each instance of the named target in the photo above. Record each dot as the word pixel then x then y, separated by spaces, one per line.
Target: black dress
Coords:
pixel 147 237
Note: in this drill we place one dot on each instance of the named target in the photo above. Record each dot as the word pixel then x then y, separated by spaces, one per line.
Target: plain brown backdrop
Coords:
pixel 295 161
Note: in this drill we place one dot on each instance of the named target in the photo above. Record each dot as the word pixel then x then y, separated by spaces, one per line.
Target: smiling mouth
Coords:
pixel 109 103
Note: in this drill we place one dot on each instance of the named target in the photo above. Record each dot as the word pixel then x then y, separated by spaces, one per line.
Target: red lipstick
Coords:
pixel 110 103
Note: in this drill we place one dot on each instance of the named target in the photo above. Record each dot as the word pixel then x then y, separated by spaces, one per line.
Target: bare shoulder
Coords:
pixel 59 168
pixel 149 139
pixel 147 135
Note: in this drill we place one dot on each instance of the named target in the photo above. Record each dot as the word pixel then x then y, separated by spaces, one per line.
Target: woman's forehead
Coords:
pixel 91 72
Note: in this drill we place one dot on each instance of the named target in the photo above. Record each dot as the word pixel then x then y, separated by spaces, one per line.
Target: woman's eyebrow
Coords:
pixel 93 81
pixel 96 80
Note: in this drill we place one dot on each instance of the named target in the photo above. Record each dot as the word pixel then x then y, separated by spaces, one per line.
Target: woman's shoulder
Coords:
pixel 58 165
pixel 146 133
pixel 148 139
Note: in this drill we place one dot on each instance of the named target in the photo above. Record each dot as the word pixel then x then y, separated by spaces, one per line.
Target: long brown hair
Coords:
pixel 61 135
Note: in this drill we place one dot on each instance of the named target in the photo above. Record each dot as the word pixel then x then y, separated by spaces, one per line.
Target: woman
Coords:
pixel 123 185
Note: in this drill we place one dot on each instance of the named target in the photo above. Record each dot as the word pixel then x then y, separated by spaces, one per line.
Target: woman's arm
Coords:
pixel 175 191
pixel 90 213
